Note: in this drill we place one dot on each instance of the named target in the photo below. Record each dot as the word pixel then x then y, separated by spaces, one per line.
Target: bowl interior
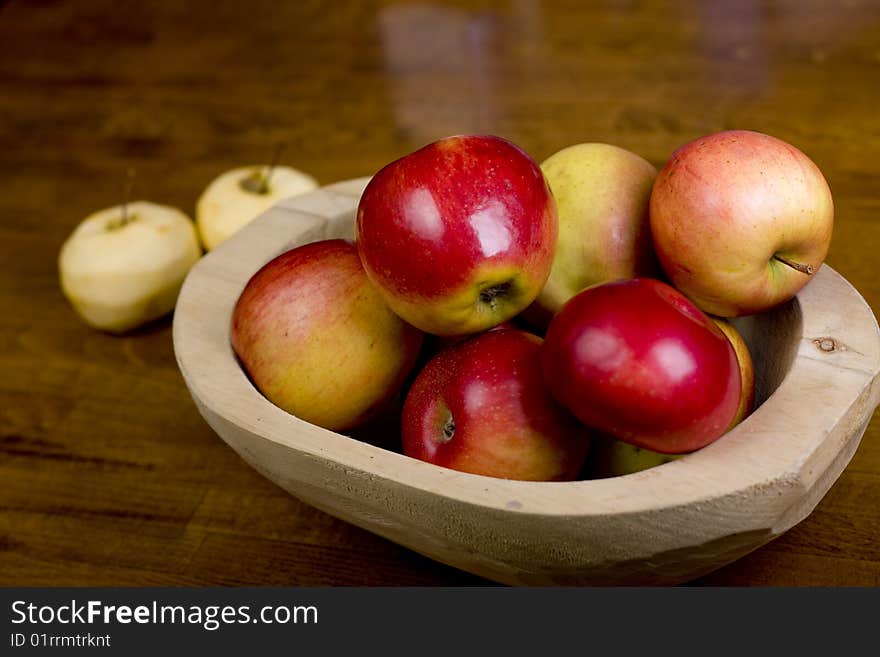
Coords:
pixel 772 338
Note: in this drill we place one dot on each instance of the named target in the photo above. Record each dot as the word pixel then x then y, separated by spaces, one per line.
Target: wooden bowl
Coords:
pixel 817 368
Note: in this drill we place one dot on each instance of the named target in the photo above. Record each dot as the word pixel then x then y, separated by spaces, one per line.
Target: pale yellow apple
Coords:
pixel 602 193
pixel 119 273
pixel 237 197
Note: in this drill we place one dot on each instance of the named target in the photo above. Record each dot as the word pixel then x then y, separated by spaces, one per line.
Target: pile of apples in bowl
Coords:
pixel 586 371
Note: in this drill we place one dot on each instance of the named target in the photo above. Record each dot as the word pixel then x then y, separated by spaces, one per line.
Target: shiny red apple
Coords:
pixel 611 458
pixel 480 406
pixel 318 341
pixel 459 235
pixel 740 221
pixel 639 361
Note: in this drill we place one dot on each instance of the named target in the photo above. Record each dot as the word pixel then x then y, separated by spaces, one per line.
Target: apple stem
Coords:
pixel 126 197
pixel 490 295
pixel 804 269
pixel 276 156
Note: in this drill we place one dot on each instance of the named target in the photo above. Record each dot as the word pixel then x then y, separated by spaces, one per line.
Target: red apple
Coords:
pixel 317 339
pixel 437 343
pixel 459 235
pixel 480 406
pixel 611 458
pixel 740 221
pixel 637 360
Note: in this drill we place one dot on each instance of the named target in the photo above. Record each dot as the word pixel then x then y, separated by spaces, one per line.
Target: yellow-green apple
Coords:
pixel 602 194
pixel 123 266
pixel 610 457
pixel 637 360
pixel 318 341
pixel 480 406
pixel 459 235
pixel 237 197
pixel 746 369
pixel 740 221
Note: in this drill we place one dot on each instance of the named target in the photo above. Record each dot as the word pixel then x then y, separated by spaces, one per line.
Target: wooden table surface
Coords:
pixel 110 476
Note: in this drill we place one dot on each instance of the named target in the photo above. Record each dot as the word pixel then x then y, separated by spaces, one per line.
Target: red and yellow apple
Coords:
pixel 317 339
pixel 740 221
pixel 601 194
pixel 480 406
pixel 459 235
pixel 635 359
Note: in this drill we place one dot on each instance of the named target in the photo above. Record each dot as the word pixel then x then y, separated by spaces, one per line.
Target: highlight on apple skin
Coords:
pixel 740 221
pixel 635 359
pixel 459 235
pixel 317 339
pixel 480 406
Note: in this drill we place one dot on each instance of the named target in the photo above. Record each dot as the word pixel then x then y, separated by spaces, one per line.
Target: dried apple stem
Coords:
pixel 126 197
pixel 490 295
pixel 804 269
pixel 276 156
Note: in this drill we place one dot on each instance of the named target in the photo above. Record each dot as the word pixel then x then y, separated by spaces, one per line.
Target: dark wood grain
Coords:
pixel 110 476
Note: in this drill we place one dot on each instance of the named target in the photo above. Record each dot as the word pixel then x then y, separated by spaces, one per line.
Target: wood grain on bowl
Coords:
pixel 817 367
